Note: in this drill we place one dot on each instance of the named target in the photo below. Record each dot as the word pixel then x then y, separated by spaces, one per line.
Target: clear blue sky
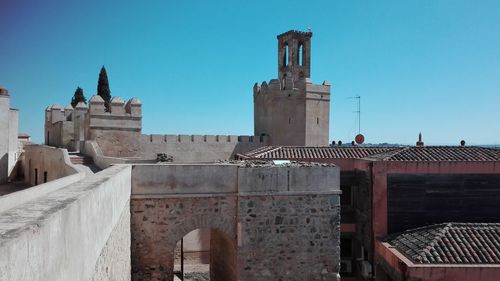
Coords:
pixel 419 65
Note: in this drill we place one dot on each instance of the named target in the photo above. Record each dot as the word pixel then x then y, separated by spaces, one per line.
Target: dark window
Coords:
pixel 36 176
pixel 285 55
pixel 346 196
pixel 346 247
pixel 44 177
pixel 317 120
pixel 289 120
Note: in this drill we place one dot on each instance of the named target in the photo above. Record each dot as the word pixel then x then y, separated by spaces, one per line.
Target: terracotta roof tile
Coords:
pixel 297 152
pixel 446 153
pixel 408 154
pixel 450 243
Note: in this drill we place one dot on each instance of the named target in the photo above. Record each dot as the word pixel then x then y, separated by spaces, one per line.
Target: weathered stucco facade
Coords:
pixel 267 222
pixel 9 144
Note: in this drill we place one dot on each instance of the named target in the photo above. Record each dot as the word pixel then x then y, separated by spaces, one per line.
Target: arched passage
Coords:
pixel 218 264
pixel 159 223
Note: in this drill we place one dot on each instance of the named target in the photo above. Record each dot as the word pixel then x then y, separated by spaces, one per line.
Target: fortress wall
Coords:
pixel 198 148
pixel 268 222
pixel 42 158
pixel 4 138
pixel 13 139
pixel 60 173
pixel 81 232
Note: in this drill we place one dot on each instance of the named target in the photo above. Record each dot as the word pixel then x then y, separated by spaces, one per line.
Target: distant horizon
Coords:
pixel 419 66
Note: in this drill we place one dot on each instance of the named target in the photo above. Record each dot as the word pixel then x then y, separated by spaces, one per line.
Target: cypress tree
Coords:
pixel 78 97
pixel 103 88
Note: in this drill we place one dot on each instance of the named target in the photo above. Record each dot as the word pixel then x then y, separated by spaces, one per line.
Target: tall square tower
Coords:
pixel 291 110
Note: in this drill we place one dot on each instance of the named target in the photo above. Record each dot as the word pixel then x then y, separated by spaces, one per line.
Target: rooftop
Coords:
pixel 299 152
pixel 305 33
pixel 409 153
pixel 450 243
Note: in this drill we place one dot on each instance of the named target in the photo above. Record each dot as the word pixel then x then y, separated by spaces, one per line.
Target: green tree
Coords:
pixel 103 88
pixel 78 97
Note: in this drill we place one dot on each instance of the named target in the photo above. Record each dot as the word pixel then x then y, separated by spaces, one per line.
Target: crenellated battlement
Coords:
pixel 161 139
pixel 118 107
pixel 274 87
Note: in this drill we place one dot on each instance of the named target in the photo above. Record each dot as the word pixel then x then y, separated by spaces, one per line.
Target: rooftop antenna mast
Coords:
pixel 358 111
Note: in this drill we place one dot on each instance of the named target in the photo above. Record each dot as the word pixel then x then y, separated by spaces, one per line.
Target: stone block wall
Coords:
pixel 299 116
pixel 289 237
pixel 157 224
pixel 267 222
pixel 198 148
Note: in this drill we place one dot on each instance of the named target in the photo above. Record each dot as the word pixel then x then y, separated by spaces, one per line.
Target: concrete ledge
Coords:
pixel 184 179
pixel 92 149
pixel 231 178
pixel 14 199
pixel 60 236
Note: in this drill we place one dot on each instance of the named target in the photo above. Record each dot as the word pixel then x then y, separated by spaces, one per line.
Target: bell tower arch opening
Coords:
pixel 294 53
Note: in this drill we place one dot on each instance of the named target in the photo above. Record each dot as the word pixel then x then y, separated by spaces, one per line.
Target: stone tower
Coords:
pixel 294 57
pixel 9 143
pixel 291 110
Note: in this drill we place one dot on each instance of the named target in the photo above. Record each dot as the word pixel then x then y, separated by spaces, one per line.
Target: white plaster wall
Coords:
pixel 13 139
pixel 116 252
pixel 4 137
pixel 70 234
pixel 54 161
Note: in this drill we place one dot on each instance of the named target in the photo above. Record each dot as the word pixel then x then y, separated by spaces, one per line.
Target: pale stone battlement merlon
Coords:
pixel 274 87
pixel 118 107
pixel 159 139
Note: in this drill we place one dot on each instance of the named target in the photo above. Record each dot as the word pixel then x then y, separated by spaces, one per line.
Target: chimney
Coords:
pixel 420 142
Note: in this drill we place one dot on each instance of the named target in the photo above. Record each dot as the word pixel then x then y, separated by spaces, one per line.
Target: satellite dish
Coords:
pixel 360 139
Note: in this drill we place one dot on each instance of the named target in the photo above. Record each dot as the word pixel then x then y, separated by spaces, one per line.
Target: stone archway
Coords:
pixel 223 257
pixel 158 223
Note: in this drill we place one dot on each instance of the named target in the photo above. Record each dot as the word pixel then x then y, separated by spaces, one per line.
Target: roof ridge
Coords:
pixel 271 149
pixel 386 155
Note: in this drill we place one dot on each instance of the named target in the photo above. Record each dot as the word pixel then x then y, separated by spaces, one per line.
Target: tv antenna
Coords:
pixel 358 111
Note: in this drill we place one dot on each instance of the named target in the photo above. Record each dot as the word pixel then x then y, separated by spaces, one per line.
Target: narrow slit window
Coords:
pixel 44 177
pixel 299 55
pixel 317 120
pixel 36 176
pixel 285 55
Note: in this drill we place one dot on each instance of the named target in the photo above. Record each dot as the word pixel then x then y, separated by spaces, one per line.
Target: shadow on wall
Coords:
pixel 4 160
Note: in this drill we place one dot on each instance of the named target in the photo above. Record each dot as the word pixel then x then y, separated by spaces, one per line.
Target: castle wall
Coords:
pixel 117 132
pixel 317 115
pixel 4 138
pixel 13 139
pixel 44 163
pixel 295 117
pixel 9 143
pixel 198 148
pixel 81 232
pixel 59 127
pixel 268 222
